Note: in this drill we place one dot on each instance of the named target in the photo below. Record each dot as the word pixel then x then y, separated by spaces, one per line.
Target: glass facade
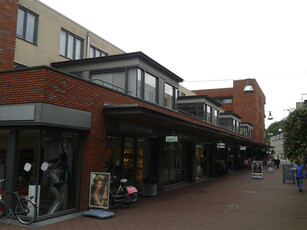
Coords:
pixel 169 99
pixel 150 88
pixel 46 167
pixel 175 163
pixel 202 161
pixel 129 158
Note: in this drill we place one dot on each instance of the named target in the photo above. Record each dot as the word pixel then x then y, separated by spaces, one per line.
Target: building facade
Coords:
pixel 113 113
pixel 248 106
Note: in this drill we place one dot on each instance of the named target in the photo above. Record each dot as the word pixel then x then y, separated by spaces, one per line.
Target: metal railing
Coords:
pixel 111 86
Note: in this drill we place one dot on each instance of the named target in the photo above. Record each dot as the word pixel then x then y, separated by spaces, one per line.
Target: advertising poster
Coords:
pixel 99 190
pixel 257 169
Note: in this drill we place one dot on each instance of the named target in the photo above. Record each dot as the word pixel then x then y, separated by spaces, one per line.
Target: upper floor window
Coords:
pixel 150 88
pixel 113 80
pixel 71 46
pixel 169 96
pixel 216 117
pixel 208 114
pixel 224 100
pixel 27 25
pixel 95 52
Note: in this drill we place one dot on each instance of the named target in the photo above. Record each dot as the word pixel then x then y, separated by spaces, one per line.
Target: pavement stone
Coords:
pixel 236 202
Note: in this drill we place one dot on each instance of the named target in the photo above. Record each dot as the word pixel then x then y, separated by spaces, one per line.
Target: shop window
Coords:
pixel 4 140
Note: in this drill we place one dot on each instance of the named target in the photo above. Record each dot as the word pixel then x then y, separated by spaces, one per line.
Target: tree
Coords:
pixel 295 135
pixel 273 128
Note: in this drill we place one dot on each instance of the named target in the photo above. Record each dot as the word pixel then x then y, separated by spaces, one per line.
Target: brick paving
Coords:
pixel 222 203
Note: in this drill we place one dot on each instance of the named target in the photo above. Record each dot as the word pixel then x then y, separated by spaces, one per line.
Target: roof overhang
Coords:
pixel 144 115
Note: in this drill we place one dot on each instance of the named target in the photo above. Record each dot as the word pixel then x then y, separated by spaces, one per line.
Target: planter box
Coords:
pixel 150 189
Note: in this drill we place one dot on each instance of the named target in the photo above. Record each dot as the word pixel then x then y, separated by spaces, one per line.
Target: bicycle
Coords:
pixel 125 195
pixel 24 209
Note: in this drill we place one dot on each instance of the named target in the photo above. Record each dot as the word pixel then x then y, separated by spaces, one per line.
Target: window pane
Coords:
pixel 139 83
pixel 132 85
pixel 63 43
pixel 168 96
pixel 106 79
pixel 78 49
pixel 150 88
pixel 209 112
pixel 97 53
pixel 20 22
pixel 119 81
pixel 92 52
pixel 30 28
pixel 70 47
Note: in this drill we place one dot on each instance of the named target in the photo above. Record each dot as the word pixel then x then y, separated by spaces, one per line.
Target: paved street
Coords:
pixel 237 202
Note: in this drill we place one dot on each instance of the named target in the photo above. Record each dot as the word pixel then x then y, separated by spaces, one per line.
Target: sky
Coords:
pixel 210 43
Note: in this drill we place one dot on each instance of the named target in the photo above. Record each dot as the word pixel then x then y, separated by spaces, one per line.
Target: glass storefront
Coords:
pixel 202 161
pixel 128 158
pixel 175 163
pixel 4 140
pixel 45 167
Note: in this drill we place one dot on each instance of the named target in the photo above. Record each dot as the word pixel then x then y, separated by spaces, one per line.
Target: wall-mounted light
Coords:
pixel 248 88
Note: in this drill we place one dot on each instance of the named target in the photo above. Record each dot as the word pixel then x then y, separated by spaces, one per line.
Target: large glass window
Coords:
pixel 208 114
pixel 4 140
pixel 27 25
pixel 113 80
pixel 150 88
pixel 71 46
pixel 169 96
pixel 226 123
pixel 188 108
pixel 175 163
pixel 202 161
pixel 216 119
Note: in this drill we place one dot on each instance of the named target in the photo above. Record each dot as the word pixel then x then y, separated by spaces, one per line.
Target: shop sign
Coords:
pixel 220 145
pixel 242 147
pixel 171 139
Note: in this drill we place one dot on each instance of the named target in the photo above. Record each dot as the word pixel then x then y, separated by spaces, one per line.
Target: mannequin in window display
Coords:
pixel 61 173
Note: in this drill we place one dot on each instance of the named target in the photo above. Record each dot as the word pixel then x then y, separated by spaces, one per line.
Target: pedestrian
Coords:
pixel 299 173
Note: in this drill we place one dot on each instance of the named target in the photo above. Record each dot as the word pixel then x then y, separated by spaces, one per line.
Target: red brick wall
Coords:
pixel 8 23
pixel 249 106
pixel 42 84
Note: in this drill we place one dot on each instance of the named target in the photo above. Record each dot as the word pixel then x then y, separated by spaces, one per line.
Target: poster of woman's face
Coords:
pixel 257 167
pixel 99 190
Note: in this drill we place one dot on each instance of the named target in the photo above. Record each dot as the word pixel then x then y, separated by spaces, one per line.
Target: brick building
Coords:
pixel 114 112
pixel 250 107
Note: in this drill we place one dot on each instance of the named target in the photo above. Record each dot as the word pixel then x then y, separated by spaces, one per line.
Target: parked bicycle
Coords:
pixel 124 195
pixel 24 209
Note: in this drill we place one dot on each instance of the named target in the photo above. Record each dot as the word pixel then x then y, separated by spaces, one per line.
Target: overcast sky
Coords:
pixel 202 40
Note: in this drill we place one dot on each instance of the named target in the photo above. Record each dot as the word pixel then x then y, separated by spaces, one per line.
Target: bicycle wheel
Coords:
pixel 1 209
pixel 125 200
pixel 26 211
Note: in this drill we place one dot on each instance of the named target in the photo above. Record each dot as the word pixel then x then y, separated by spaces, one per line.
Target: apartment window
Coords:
pixel 27 25
pixel 216 117
pixel 95 52
pixel 71 46
pixel 169 99
pixel 114 80
pixel 150 88
pixel 208 114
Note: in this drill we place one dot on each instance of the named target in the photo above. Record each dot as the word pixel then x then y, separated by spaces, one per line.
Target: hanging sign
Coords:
pixel 220 145
pixel 171 139
pixel 242 147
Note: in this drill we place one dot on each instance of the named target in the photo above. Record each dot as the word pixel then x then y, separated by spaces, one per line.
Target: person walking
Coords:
pixel 299 173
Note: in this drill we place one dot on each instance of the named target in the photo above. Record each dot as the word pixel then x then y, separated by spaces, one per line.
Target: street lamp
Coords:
pixel 248 88
pixel 270 117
